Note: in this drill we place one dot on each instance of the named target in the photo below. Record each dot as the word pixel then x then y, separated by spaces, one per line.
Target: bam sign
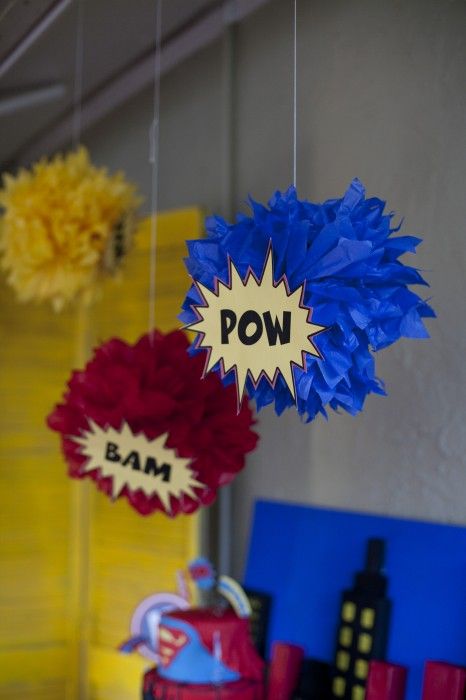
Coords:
pixel 136 462
pixel 256 327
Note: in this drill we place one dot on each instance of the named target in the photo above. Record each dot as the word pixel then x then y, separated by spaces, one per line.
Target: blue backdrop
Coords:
pixel 306 556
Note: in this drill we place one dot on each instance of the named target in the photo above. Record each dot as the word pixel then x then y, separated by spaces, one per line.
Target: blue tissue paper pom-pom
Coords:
pixel 345 253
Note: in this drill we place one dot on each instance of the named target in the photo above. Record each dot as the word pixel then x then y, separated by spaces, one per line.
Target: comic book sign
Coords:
pixel 137 462
pixel 255 327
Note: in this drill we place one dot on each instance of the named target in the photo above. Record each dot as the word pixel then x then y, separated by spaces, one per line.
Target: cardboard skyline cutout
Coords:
pixel 255 327
pixel 137 462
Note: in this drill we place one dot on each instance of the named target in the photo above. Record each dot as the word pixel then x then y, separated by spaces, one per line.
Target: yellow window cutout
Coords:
pixel 346 636
pixel 348 612
pixel 367 617
pixel 343 660
pixel 361 669
pixel 358 692
pixel 339 687
pixel 365 643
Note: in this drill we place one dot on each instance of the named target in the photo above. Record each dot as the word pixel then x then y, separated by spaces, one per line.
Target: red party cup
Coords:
pixel 385 681
pixel 284 670
pixel 442 681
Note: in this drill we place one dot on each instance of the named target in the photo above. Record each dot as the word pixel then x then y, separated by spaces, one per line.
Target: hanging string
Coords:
pixel 79 594
pixel 294 91
pixel 154 159
pixel 78 78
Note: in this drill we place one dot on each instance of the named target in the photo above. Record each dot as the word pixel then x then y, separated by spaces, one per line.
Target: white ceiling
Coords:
pixel 116 35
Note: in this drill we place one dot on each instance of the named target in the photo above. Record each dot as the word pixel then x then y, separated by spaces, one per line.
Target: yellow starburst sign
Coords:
pixel 137 462
pixel 255 327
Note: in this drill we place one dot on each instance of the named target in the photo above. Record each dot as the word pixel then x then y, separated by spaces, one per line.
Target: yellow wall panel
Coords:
pixel 36 351
pixel 133 556
pixel 74 565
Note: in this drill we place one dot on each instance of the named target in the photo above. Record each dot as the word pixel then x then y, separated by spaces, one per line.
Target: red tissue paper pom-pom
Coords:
pixel 156 388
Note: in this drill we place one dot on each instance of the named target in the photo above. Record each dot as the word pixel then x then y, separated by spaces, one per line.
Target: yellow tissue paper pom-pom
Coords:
pixel 65 225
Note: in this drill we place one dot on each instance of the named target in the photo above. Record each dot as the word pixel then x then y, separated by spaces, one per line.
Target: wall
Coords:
pixel 380 96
